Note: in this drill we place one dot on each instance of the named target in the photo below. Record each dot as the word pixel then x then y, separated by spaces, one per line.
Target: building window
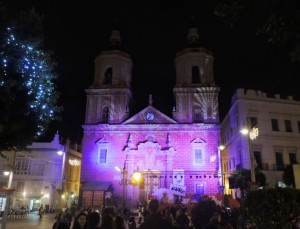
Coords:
pixel 288 125
pixel 105 115
pixel 253 122
pixel 108 76
pixel 22 166
pixel 199 189
pixel 257 156
pixel 274 123
pixel 293 159
pixel 198 115
pixel 198 156
pixel 279 161
pixel 195 74
pixel 103 155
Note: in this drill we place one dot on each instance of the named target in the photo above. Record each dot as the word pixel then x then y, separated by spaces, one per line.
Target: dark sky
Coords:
pixel 153 32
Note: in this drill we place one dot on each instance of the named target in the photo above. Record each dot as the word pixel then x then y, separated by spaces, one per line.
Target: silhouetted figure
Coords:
pixel 154 220
pixel 131 223
pixel 65 222
pixel 93 220
pixel 120 223
pixel 107 222
pixel 215 222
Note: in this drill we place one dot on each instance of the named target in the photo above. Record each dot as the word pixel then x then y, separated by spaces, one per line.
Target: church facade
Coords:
pixel 177 155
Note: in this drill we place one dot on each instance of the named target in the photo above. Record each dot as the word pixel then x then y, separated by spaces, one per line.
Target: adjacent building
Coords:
pixel 278 142
pixel 47 173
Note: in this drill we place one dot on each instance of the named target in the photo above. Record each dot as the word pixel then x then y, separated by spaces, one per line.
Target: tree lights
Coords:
pixel 27 92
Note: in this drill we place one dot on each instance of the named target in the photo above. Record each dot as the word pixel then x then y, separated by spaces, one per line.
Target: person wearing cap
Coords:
pixel 154 220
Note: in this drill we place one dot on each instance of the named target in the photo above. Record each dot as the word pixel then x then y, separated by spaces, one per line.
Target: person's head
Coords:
pixel 93 219
pixel 131 219
pixel 216 217
pixel 119 222
pixel 107 221
pixel 81 219
pixel 66 218
pixel 153 205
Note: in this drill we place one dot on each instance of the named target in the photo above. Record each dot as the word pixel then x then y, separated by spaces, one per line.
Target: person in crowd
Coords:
pixel 168 216
pixel 93 220
pixel 41 211
pixel 140 214
pixel 181 219
pixel 80 221
pixel 65 222
pixel 107 222
pixel 215 222
pixel 120 223
pixel 132 223
pixel 227 225
pixel 154 220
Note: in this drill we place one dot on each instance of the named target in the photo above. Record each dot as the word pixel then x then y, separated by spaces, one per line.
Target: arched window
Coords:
pixel 105 115
pixel 108 76
pixel 195 74
pixel 198 117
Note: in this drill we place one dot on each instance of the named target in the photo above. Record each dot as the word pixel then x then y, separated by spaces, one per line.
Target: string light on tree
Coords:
pixel 27 75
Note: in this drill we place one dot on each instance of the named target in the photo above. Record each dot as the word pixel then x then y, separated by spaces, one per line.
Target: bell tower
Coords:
pixel 109 96
pixel 195 92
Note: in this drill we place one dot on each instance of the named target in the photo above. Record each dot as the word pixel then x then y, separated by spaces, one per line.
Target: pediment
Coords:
pixel 101 141
pixel 150 115
pixel 198 141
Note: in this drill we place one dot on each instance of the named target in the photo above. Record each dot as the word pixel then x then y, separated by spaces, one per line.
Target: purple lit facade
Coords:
pixel 181 151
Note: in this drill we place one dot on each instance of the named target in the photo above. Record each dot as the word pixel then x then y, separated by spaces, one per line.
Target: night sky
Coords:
pixel 153 32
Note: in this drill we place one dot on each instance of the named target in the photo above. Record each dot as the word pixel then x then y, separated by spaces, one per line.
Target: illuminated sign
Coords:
pixel 74 162
pixel 179 190
pixel 253 133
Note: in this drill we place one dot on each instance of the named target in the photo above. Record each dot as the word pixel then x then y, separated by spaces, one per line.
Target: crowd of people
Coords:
pixel 151 217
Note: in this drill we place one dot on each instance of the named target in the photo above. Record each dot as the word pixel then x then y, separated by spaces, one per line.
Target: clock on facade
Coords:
pixel 150 116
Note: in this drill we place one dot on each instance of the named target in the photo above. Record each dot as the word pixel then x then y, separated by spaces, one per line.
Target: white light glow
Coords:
pixel 244 131
pixel 74 162
pixel 221 147
pixel 118 169
pixel 137 176
pixel 60 152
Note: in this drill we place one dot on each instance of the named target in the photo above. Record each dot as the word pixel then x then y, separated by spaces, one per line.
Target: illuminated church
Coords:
pixel 177 155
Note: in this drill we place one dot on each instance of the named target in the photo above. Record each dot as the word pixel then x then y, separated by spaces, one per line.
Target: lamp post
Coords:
pixel 137 176
pixel 63 154
pixel 251 135
pixel 11 163
pixel 221 185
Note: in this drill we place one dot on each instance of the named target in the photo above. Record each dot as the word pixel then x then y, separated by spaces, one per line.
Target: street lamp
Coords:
pixel 11 163
pixel 137 176
pixel 63 154
pixel 252 134
pixel 221 185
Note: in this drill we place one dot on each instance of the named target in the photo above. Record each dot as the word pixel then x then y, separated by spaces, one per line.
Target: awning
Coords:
pixel 97 185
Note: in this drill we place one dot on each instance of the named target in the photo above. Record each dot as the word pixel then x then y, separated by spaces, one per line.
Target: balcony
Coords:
pixel 273 167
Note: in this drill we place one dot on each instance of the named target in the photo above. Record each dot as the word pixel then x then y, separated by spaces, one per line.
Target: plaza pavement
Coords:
pixel 31 222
